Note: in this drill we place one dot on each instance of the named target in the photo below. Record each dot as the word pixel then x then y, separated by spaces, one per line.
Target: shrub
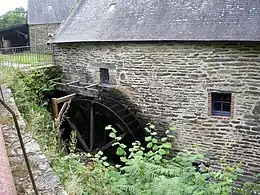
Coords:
pixel 30 90
pixel 150 170
pixel 249 188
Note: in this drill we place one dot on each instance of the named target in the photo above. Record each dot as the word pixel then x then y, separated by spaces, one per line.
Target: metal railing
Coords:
pixel 26 56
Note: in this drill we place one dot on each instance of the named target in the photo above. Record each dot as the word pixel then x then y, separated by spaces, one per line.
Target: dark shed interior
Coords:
pixel 16 36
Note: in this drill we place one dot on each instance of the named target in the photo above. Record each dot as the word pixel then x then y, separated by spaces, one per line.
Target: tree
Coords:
pixel 13 18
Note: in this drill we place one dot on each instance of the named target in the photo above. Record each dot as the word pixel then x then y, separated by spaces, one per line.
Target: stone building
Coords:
pixel 195 64
pixel 44 18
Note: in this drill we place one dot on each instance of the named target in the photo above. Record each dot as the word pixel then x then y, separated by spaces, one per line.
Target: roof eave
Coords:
pixel 155 40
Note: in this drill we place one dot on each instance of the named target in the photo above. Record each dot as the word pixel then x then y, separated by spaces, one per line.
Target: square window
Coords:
pixel 226 107
pixel 221 104
pixel 104 75
pixel 217 106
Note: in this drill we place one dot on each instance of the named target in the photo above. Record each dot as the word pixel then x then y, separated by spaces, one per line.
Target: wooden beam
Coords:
pixel 89 86
pixel 55 110
pixel 78 90
pixel 66 98
pixel 72 82
pixel 79 136
pixel 86 87
pixel 64 106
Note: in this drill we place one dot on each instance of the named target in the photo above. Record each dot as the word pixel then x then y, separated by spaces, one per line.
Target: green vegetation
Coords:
pixel 25 58
pixel 30 90
pixel 145 169
pixel 13 18
pixel 150 170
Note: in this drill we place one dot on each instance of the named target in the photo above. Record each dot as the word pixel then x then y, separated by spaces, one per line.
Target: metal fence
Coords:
pixel 26 56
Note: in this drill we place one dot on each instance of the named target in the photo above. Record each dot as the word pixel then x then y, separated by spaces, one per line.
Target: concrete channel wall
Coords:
pixel 7 186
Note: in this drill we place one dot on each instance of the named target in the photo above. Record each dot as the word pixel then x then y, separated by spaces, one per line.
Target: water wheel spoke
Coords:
pixel 116 115
pixel 84 110
pixel 92 127
pixel 105 147
pixel 63 109
pixel 79 136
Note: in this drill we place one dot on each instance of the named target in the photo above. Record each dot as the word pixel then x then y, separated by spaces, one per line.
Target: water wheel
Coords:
pixel 89 117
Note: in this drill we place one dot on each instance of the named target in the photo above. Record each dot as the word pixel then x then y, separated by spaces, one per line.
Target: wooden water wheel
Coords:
pixel 89 117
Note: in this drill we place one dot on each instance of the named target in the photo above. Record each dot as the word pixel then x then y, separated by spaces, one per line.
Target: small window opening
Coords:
pixel 104 75
pixel 112 7
pixel 221 104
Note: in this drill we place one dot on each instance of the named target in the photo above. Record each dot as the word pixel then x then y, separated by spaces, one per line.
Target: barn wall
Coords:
pixel 39 33
pixel 172 82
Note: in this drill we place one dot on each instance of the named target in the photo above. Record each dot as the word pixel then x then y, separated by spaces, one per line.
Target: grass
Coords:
pixel 26 58
pixel 6 74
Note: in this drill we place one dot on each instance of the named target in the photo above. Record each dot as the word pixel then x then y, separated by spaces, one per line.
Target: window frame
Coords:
pixel 104 75
pixel 221 113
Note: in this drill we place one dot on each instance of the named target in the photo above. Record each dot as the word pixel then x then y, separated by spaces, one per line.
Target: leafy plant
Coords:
pixel 30 90
pixel 150 170
pixel 93 179
pixel 12 18
pixel 33 88
pixel 249 188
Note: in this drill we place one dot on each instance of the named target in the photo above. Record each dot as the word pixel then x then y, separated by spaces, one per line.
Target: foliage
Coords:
pixel 30 91
pixel 13 18
pixel 149 170
pixel 93 179
pixel 7 74
pixel 249 188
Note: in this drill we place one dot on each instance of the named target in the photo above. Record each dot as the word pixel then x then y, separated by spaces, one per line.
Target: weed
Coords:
pixel 150 170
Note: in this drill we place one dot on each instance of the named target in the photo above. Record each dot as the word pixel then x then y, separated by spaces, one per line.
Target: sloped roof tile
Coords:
pixel 156 20
pixel 49 11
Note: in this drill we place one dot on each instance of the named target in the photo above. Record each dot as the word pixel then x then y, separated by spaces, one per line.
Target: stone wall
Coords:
pixel 39 33
pixel 47 182
pixel 171 83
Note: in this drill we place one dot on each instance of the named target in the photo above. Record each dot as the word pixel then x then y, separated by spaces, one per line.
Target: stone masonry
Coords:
pixel 171 83
pixel 47 182
pixel 39 33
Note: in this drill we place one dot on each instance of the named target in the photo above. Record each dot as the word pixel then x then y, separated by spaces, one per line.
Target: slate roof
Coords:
pixel 157 20
pixel 49 11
